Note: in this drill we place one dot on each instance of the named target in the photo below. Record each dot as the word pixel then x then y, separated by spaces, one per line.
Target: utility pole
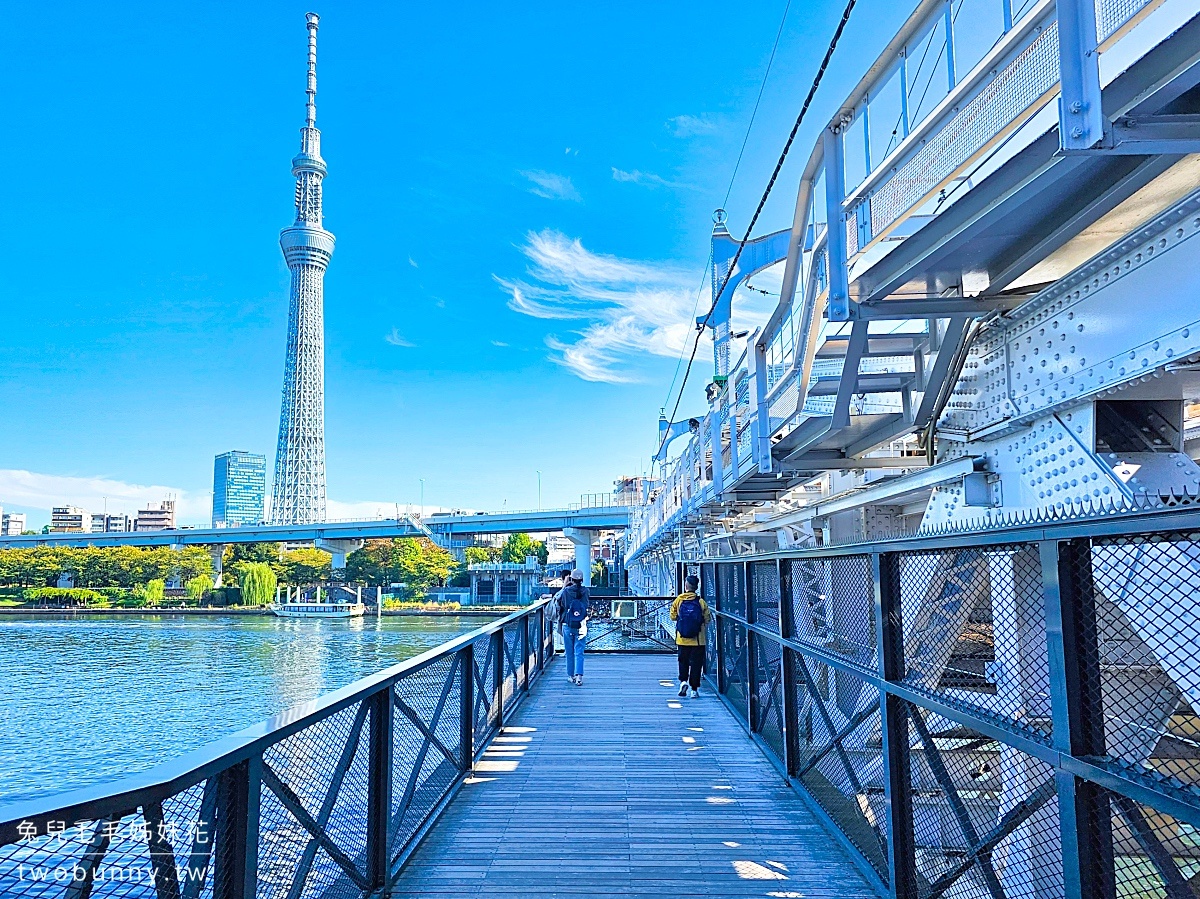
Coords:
pixel 539 474
pixel 422 480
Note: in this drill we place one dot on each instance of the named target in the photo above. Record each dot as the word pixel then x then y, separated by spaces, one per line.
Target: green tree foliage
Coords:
pixel 258 583
pixel 101 566
pixel 198 586
pixel 155 590
pixel 519 546
pixel 477 555
pixel 238 555
pixel 418 563
pixel 599 573
pixel 64 596
pixel 306 566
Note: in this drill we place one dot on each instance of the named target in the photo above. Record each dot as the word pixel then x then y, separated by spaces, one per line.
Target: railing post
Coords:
pixel 525 668
pixel 541 639
pixel 719 633
pixel 1077 715
pixel 466 707
pixel 897 781
pixel 498 675
pixel 379 787
pixel 235 869
pixel 791 715
pixel 751 651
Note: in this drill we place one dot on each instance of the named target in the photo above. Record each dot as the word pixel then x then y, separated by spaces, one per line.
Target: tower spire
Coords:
pixel 310 118
pixel 298 492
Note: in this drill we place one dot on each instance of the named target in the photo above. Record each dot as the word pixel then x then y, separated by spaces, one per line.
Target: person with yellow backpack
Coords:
pixel 691 616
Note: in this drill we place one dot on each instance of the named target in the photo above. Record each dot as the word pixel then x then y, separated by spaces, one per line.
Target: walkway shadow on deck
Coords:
pixel 622 788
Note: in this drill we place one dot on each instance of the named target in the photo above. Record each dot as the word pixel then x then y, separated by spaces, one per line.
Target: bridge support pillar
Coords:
pixel 217 550
pixel 583 539
pixel 339 549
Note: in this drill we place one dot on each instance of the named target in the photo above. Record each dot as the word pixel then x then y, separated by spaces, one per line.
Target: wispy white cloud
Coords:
pixel 413 262
pixel 638 177
pixel 499 343
pixel 626 308
pixel 551 186
pixel 690 125
pixel 36 490
pixel 396 339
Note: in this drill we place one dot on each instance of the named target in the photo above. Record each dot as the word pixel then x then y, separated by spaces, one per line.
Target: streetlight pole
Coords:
pixel 539 474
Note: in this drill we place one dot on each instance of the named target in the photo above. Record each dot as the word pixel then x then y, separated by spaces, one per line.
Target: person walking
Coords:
pixel 691 616
pixel 573 602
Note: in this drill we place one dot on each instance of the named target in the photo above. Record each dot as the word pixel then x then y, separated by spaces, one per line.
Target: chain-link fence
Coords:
pixel 986 717
pixel 325 800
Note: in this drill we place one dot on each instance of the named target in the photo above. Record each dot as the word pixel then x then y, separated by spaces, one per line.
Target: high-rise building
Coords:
pixel 298 489
pixel 239 489
pixel 70 519
pixel 158 517
pixel 12 524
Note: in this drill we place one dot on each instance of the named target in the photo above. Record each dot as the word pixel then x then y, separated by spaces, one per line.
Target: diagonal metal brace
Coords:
pixel 938 766
pixel 811 686
pixel 292 803
pixel 1159 855
pixel 1010 821
pixel 349 748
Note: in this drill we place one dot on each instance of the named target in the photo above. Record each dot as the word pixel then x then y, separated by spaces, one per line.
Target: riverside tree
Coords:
pixel 258 583
pixel 101 566
pixel 519 546
pixel 416 562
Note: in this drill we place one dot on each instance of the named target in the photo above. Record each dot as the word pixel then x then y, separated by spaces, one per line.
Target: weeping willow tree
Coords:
pixel 258 584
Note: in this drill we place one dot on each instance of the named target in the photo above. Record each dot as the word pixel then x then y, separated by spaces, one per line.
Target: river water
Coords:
pixel 92 698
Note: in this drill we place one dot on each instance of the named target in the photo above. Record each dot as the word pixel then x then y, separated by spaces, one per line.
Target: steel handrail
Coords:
pixel 170 777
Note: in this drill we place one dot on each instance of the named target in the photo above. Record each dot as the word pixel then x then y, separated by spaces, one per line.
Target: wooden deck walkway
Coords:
pixel 620 788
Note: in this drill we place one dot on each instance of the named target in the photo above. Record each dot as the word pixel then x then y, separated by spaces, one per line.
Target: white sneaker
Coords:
pixel 683 688
pixel 579 680
pixel 695 693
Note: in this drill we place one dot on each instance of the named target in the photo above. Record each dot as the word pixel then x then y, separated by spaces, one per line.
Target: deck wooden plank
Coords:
pixel 619 788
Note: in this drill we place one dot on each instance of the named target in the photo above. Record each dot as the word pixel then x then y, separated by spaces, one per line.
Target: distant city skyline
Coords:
pixel 523 225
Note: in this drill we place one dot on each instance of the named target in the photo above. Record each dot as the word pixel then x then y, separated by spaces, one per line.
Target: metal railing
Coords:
pixel 328 798
pixel 1013 714
pixel 630 624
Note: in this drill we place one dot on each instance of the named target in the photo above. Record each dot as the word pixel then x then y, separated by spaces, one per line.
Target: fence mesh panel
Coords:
pixel 764 595
pixel 984 815
pixel 315 780
pixel 840 755
pixel 734 650
pixel 731 583
pixel 832 605
pixel 1144 618
pixel 484 692
pixel 1144 853
pixel 975 632
pixel 768 689
pixel 425 756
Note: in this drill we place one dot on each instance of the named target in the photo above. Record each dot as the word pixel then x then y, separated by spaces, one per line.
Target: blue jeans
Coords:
pixel 573 645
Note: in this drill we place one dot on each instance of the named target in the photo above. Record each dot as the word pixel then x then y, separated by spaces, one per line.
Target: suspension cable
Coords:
pixel 837 36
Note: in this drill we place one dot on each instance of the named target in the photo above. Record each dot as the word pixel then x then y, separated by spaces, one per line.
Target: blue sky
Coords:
pixel 521 198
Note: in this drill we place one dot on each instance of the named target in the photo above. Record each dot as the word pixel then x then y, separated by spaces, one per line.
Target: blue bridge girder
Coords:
pixel 436 527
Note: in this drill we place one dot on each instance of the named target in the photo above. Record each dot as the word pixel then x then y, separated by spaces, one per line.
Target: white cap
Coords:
pixel 577 575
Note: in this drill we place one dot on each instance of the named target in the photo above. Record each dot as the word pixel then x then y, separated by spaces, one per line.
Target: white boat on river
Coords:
pixel 298 606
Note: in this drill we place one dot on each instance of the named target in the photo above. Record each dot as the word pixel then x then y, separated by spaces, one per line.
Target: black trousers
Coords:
pixel 691 665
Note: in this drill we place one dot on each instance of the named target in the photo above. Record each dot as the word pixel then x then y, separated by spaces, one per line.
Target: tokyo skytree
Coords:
pixel 298 493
